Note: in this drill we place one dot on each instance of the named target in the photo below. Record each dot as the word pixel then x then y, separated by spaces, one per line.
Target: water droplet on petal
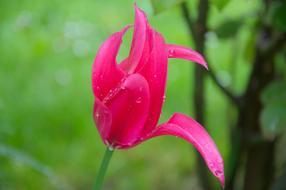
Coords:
pixel 164 98
pixel 110 148
pixel 97 115
pixel 140 89
pixel 218 172
pixel 171 52
pixel 155 76
pixel 138 100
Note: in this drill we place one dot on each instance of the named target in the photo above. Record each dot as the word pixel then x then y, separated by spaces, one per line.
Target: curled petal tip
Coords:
pixel 177 51
pixel 220 176
pixel 185 127
pixel 206 66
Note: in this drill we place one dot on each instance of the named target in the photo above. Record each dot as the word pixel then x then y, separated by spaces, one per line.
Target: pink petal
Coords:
pixel 138 41
pixel 102 118
pixel 185 127
pixel 176 51
pixel 105 73
pixel 129 107
pixel 155 72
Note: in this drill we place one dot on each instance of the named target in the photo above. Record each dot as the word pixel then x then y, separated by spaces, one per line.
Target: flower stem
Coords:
pixel 104 164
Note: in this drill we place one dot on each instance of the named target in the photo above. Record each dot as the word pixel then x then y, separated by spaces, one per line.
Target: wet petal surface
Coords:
pixel 105 73
pixel 129 107
pixel 176 51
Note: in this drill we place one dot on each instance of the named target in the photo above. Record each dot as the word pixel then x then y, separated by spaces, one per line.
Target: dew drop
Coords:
pixel 110 148
pixel 218 172
pixel 155 76
pixel 140 89
pixel 164 98
pixel 97 115
pixel 138 100
pixel 171 52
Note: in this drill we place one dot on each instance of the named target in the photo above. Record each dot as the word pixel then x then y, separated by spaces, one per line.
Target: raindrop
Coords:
pixel 171 52
pixel 110 148
pixel 164 98
pixel 97 115
pixel 218 172
pixel 155 76
pixel 140 89
pixel 138 100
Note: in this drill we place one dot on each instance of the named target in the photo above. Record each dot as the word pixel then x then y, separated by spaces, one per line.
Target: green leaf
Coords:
pixel 162 5
pixel 273 116
pixel 228 29
pixel 274 93
pixel 220 4
pixel 278 18
pixel 273 120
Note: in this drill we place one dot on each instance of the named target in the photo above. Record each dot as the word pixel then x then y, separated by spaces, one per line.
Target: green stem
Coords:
pixel 104 164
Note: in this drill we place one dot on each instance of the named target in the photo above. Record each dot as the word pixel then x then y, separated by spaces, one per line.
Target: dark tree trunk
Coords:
pixel 198 30
pixel 259 152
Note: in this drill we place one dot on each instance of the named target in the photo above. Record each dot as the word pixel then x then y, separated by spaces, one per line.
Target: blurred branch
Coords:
pixel 197 28
pixel 234 98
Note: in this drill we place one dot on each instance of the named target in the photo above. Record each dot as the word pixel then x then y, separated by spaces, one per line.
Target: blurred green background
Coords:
pixel 47 136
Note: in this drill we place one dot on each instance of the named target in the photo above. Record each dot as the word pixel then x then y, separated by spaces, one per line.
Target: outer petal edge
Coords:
pixel 176 51
pixel 188 129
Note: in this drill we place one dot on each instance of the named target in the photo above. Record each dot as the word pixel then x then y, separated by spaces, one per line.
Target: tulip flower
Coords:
pixel 129 95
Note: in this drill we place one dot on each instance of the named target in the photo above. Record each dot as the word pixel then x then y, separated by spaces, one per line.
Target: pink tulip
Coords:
pixel 129 96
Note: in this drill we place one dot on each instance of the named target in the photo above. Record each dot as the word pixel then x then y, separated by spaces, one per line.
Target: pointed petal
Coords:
pixel 155 72
pixel 105 73
pixel 129 106
pixel 185 127
pixel 138 41
pixel 176 51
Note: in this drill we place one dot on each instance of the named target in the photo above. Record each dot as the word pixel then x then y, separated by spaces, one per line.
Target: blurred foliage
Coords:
pixel 273 118
pixel 161 5
pixel 278 16
pixel 47 136
pixel 220 4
